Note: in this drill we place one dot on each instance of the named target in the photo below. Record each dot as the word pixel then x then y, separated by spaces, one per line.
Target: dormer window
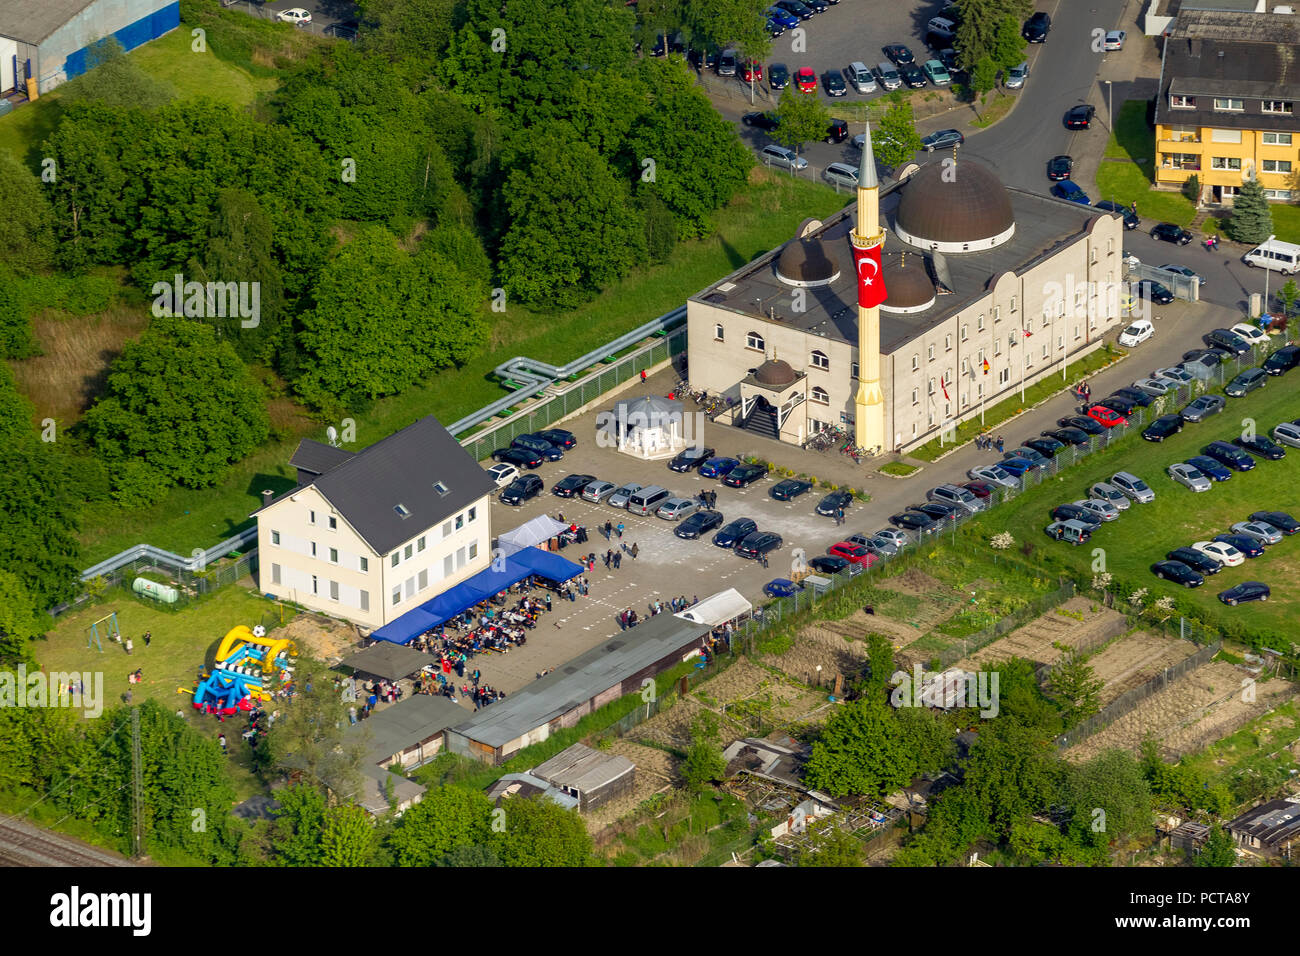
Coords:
pixel 402 511
pixel 441 488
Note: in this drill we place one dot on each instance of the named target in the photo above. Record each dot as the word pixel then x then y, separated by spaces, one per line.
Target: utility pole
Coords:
pixel 137 788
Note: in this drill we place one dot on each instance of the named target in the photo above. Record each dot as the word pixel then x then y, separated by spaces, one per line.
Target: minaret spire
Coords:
pixel 868 241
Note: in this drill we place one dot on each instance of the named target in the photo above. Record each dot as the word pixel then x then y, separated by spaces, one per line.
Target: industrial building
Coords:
pixel 44 43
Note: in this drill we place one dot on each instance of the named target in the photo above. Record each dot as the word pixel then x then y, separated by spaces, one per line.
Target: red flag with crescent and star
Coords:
pixel 871 284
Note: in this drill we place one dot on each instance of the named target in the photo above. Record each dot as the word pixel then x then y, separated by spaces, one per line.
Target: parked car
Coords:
pixel 520 457
pixel 559 437
pixel 1225 554
pixel 764 121
pixel 727 62
pixel 1184 271
pixel 1083 423
pixel 1135 395
pixel 837 132
pixel 598 491
pixel 783 17
pixel 1017 466
pixel 1037 27
pixel 1131 221
pixel 752 72
pixel 1163 427
pixel 778 76
pixel 691 458
pixel 1179 573
pixel 1034 457
pixel 1080 117
pixel 897 52
pixel 1156 386
pixel 1229 455
pixel 620 498
pixel 833 81
pixel 982 490
pixel 1070 436
pixel 1261 531
pixel 742 476
pixel 830 564
pixel 789 489
pixel 1137 333
pixel 1246 382
pixel 1099 509
pixel 834 502
pixel 995 474
pixel 521 489
pixel 1114 40
pixel 1059 167
pixel 1133 486
pixel 1118 403
pixel 917 523
pixel 503 474
pixel 1209 468
pixel 1278 519
pixel 1154 291
pixel 1287 433
pixel 841 174
pixel 1045 445
pixel 540 445
pixel 718 467
pixel 758 544
pixel 294 15
pixel 943 139
pixel 674 509
pixel 1189 476
pixel 937 72
pixel 1229 342
pixel 735 532
pixel 937 510
pixel 698 524
pixel 805 79
pixel 1168 232
pixel 1175 373
pixel 1076 513
pixel 852 553
pixel 1073 532
pixel 1251 333
pixel 1245 591
pixel 1198 562
pixel 898 539
pixel 775 155
pixel 1108 492
pixel 1202 407
pixel 1069 190
pixel 1244 543
pixel 571 485
pixel 1107 416
pixel 1261 447
pixel 913 76
pixel 1016 76
pixel 1283 360
pixel 781 588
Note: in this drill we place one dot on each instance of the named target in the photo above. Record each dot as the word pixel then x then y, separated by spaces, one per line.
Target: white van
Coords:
pixel 646 500
pixel 945 28
pixel 860 77
pixel 1283 257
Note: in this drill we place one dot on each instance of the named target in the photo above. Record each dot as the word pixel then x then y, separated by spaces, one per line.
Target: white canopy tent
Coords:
pixel 537 531
pixel 718 608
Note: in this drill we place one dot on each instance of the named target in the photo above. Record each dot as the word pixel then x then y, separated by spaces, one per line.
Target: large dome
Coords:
pixel 907 284
pixel 774 373
pixel 954 206
pixel 806 262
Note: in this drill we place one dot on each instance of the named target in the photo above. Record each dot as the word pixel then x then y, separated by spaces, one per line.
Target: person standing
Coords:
pixel 1000 443
pixel 642 376
pixel 221 739
pixel 548 602
pixel 609 529
pixel 839 517
pixel 148 636
pixel 618 560
pixel 128 645
pixel 635 549
pixel 619 529
pixel 352 715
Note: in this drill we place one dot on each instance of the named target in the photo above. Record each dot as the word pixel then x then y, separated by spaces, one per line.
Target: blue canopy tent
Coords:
pixel 503 573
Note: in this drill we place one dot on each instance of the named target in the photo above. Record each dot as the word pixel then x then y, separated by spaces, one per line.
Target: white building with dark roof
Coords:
pixel 367 536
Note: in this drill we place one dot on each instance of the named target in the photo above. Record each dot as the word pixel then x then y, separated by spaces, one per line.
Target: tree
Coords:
pixel 984 75
pixel 348 836
pixel 39 519
pixel 27 228
pixel 309 736
pixel 803 118
pixel 572 227
pixel 831 846
pixel 1252 219
pixel 1075 689
pixel 928 737
pixel 703 765
pixel 1219 850
pixel 1015 773
pixel 539 832
pixel 413 34
pixel 861 751
pixel 1008 47
pixel 447 819
pixel 299 825
pixel 21 621
pixel 114 80
pixel 1109 800
pixel 1192 188
pixel 980 23
pixel 1288 295
pixel 896 139
pixel 16 339
pixel 180 408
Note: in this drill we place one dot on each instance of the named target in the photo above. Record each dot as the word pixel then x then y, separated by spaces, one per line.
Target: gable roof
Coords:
pixel 33 22
pixel 401 469
pixel 316 458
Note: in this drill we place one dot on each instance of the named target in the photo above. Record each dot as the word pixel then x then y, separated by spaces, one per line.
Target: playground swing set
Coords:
pixel 111 626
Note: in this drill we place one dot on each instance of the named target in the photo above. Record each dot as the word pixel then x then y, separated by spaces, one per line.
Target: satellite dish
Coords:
pixel 332 434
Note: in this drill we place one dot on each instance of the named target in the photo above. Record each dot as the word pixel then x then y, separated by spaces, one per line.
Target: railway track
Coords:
pixel 22 844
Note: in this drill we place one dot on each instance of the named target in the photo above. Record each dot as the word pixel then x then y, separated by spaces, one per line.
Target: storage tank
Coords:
pixel 159 592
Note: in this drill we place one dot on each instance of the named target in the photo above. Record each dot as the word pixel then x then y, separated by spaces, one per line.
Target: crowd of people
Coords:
pixel 628 618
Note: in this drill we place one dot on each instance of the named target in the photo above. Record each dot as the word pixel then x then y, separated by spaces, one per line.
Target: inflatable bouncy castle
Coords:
pixel 247 664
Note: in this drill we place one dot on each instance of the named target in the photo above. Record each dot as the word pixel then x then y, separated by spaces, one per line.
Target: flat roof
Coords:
pixel 33 20
pixel 1044 225
pixel 406 723
pixel 593 672
pixel 1237 26
pixel 388 660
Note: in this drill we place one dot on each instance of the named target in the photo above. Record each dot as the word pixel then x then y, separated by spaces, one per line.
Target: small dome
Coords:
pixel 806 262
pixel 907 284
pixel 774 373
pixel 956 208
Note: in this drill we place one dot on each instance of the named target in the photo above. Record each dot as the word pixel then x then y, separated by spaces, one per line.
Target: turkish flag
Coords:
pixel 871 284
pixel 943 382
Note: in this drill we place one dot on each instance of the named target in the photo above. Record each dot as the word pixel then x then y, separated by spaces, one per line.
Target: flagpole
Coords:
pixel 1024 351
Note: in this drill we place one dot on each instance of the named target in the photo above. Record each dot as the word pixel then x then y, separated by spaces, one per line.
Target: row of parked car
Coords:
pixel 1189 566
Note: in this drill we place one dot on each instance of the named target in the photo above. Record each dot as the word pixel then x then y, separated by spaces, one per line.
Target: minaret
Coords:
pixel 868 240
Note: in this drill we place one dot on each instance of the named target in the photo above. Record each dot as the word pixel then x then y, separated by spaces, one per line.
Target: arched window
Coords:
pixel 819 360
pixel 717 332
pixel 755 341
pixel 820 395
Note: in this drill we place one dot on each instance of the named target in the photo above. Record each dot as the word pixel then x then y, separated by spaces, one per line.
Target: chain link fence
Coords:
pixel 571 398
pixel 186 587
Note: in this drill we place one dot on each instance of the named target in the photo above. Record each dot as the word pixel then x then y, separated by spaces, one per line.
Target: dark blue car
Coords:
pixel 718 467
pixel 1229 455
pixel 1017 466
pixel 1068 190
pixel 1244 543
pixel 1245 591
pixel 781 587
pixel 1209 468
pixel 734 532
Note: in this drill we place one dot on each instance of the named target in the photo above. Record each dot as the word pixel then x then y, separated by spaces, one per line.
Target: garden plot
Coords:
pixel 754 693
pixel 1038 640
pixel 1197 708
pixel 672 727
pixel 1133 661
pixel 827 647
pixel 654 771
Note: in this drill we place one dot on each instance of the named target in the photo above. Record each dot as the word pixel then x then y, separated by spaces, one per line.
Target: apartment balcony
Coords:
pixel 1178 142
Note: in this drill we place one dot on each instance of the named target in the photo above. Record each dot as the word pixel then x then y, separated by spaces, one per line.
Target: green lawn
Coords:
pixel 763 216
pixel 1145 533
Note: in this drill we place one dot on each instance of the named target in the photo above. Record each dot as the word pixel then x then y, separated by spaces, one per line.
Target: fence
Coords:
pixel 570 399
pixel 1113 630
pixel 191 585
pixel 1128 701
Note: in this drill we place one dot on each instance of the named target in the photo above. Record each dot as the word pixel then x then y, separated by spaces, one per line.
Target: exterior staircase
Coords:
pixel 762 421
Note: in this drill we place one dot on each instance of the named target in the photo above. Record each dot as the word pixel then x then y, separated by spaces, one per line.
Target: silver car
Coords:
pixel 994 473
pixel 1133 486
pixel 780 156
pixel 956 496
pixel 620 498
pixel 1099 508
pixel 676 508
pixel 893 536
pixel 1190 477
pixel 1176 372
pixel 1016 76
pixel 1155 386
pixel 598 491
pixel 1108 492
pixel 1261 531
pixel 1287 433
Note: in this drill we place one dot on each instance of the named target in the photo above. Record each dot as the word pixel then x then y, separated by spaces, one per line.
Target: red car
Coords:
pixel 805 79
pixel 752 71
pixel 852 553
pixel 980 489
pixel 1106 416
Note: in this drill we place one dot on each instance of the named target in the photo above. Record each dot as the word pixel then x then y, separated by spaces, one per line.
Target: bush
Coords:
pixel 1192 188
